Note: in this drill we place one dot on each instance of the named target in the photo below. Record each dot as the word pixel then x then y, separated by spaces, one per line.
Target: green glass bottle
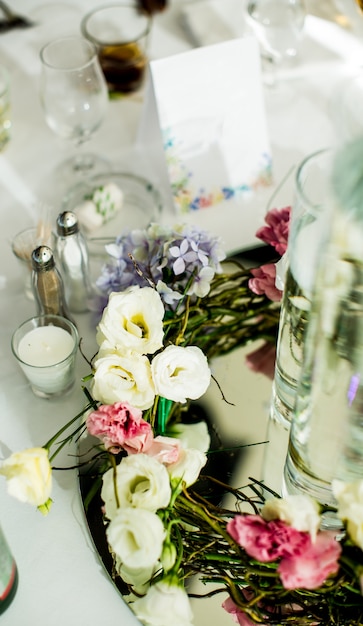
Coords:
pixel 8 575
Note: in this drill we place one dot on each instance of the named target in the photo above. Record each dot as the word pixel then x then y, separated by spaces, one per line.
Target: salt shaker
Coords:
pixel 47 284
pixel 72 254
pixel 8 574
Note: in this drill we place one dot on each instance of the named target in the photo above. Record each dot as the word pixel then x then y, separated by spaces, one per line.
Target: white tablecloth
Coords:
pixel 61 579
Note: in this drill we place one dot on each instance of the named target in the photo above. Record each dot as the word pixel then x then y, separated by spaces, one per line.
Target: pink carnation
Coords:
pixel 276 233
pixel 267 541
pixel 262 360
pixel 310 568
pixel 165 449
pixel 238 616
pixel 119 426
pixel 263 282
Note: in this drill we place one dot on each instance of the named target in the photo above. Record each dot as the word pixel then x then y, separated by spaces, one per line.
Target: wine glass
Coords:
pixel 74 97
pixel 278 26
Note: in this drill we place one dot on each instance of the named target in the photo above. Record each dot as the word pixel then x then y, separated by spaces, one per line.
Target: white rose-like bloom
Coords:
pixel 29 477
pixel 188 466
pixel 133 320
pixel 137 537
pixel 300 512
pixel 138 578
pixel 180 373
pixel 164 605
pixel 193 435
pixel 141 482
pixel 123 379
pixel 350 507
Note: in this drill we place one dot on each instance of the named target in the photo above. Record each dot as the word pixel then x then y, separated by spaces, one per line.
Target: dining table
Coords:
pixel 62 580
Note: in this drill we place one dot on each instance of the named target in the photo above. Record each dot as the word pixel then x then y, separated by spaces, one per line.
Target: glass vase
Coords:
pixel 326 436
pixel 308 233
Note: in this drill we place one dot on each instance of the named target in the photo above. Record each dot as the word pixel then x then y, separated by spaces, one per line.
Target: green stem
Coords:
pixel 53 439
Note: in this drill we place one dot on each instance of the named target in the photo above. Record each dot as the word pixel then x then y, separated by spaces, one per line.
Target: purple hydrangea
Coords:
pixel 178 261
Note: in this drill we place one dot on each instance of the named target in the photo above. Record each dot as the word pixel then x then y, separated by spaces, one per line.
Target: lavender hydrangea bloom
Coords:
pixel 183 258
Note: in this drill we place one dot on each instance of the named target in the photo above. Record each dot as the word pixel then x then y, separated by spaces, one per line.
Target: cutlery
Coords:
pixel 13 20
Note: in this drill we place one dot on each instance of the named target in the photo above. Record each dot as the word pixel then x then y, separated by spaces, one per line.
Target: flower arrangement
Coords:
pixel 166 309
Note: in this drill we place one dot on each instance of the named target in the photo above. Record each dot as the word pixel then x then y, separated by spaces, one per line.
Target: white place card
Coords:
pixel 205 109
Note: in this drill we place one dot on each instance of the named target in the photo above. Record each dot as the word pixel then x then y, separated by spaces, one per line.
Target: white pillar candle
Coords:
pixel 45 345
pixel 46 349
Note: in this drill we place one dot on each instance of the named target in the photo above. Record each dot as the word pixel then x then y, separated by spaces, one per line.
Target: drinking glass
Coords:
pixel 74 98
pixel 278 26
pixel 120 33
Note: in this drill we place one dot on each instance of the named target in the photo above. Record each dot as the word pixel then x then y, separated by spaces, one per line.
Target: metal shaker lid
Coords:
pixel 42 259
pixel 67 224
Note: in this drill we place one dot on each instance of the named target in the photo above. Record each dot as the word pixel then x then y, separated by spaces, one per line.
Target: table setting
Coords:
pixel 180 313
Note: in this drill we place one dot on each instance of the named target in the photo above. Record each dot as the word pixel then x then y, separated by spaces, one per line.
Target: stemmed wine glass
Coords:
pixel 74 97
pixel 278 26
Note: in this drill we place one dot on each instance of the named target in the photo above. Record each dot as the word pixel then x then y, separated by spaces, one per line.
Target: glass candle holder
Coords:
pixel 46 349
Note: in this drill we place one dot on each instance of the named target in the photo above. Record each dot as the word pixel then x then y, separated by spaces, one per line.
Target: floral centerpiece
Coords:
pixel 166 309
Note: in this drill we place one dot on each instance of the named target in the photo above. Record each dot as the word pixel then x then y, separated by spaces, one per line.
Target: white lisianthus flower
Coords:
pixel 188 466
pixel 138 578
pixel 123 379
pixel 193 435
pixel 164 604
pixel 350 507
pixel 29 477
pixel 180 373
pixel 133 320
pixel 137 537
pixel 141 482
pixel 300 512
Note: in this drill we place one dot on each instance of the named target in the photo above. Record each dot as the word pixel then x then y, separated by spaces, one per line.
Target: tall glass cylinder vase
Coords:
pixel 308 234
pixel 326 436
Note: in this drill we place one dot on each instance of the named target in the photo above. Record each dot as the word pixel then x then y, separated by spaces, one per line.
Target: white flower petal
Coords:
pixel 136 536
pixel 180 373
pixel 141 482
pixel 134 307
pixel 164 605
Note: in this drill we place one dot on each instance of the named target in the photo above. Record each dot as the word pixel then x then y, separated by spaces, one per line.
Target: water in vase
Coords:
pixel 292 329
pixel 326 439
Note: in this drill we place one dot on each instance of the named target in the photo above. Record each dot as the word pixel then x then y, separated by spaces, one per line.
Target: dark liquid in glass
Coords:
pixel 123 67
pixel 152 6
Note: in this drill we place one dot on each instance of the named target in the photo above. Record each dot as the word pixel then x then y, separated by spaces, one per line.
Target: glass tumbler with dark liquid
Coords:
pixel 120 33
pixel 123 67
pixel 154 6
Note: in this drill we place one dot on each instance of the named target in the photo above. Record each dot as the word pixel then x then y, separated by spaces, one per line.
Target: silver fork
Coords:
pixel 14 20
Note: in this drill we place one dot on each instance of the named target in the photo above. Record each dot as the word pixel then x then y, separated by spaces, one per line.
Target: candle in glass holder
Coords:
pixel 45 348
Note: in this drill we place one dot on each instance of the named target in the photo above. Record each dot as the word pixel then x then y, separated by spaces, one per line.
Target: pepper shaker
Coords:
pixel 72 253
pixel 47 284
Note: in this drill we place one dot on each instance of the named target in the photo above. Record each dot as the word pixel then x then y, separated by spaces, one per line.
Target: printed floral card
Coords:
pixel 209 113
